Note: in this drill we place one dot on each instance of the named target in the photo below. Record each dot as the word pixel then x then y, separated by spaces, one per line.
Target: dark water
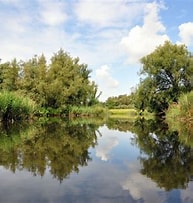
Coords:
pixel 95 162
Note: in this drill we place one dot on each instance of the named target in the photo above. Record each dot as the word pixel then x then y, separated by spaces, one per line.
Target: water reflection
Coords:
pixel 59 146
pixel 164 158
pixel 122 161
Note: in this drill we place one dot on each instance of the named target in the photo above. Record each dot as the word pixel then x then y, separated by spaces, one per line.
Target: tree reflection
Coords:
pixel 165 159
pixel 58 146
pixel 120 124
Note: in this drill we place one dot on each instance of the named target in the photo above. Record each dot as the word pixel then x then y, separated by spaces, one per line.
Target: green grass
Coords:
pixel 88 111
pixel 120 113
pixel 128 113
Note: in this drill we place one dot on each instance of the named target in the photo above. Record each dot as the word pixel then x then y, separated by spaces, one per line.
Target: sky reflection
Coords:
pixel 113 175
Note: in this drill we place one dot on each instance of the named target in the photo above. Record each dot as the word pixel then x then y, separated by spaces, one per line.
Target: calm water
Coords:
pixel 119 161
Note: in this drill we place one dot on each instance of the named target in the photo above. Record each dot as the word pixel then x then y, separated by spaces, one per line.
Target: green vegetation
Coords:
pixel 163 154
pixel 63 147
pixel 123 113
pixel 63 87
pixel 15 107
pixel 54 87
pixel 120 102
pixel 96 110
pixel 167 73
pixel 129 113
pixel 183 110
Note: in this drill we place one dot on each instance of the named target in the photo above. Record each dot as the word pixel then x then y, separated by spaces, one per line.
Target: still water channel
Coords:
pixel 91 161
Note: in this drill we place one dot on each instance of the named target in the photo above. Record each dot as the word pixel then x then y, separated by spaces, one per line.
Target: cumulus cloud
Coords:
pixel 104 76
pixel 186 33
pixel 142 40
pixel 52 12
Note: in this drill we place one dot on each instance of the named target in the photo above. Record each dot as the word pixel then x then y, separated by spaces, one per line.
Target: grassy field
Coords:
pixel 128 113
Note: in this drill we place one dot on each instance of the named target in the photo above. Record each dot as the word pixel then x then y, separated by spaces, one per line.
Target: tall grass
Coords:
pixel 88 111
pixel 183 110
pixel 15 107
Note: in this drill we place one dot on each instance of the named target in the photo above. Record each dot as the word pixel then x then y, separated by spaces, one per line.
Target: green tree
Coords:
pixel 68 82
pixel 29 75
pixel 9 75
pixel 168 72
pixel 121 101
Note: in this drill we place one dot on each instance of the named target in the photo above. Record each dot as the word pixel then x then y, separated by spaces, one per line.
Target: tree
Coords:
pixel 68 82
pixel 9 75
pixel 168 72
pixel 119 102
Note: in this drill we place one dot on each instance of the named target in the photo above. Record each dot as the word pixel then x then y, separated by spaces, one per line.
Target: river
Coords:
pixel 95 162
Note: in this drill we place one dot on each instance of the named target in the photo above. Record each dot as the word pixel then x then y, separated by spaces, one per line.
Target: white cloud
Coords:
pixel 104 76
pixel 107 13
pixel 52 12
pixel 142 40
pixel 10 1
pixel 186 33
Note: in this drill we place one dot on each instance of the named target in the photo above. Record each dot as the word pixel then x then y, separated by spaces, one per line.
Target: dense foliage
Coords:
pixel 167 73
pixel 119 102
pixel 183 110
pixel 62 83
pixel 15 107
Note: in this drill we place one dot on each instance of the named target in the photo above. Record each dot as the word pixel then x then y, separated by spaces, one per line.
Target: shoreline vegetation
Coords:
pixel 62 88
pixel 182 110
pixel 129 113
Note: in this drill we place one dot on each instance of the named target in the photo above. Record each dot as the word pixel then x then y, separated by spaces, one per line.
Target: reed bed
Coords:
pixel 15 107
pixel 183 110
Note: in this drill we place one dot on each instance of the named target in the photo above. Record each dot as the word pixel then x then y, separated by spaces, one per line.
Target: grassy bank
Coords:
pixel 123 113
pixel 128 113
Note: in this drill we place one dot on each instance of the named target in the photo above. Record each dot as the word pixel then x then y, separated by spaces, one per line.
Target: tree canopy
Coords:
pixel 62 82
pixel 121 101
pixel 167 72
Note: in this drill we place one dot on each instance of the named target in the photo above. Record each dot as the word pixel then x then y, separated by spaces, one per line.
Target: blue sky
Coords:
pixel 108 35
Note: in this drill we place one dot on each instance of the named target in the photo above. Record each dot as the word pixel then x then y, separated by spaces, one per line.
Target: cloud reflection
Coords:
pixel 105 146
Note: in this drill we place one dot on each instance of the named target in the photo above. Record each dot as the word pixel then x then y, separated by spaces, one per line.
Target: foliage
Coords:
pixel 63 83
pixel 126 113
pixel 183 110
pixel 119 102
pixel 95 110
pixel 15 107
pixel 168 73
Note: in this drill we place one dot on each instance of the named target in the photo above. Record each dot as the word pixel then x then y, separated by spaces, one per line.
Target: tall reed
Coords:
pixel 183 110
pixel 15 107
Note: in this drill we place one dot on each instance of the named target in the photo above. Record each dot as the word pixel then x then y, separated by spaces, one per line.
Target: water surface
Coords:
pixel 119 161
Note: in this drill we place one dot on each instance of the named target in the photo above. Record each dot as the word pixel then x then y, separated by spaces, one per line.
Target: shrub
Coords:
pixel 15 107
pixel 183 109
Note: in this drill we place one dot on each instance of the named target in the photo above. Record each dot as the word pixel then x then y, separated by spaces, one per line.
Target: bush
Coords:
pixel 183 109
pixel 15 107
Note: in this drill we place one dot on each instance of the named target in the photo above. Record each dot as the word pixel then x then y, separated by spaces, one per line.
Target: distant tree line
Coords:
pixel 120 102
